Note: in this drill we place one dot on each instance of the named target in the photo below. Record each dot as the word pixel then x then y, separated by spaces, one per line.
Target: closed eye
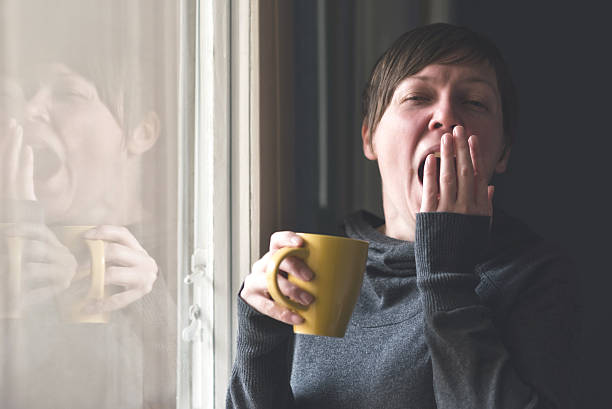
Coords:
pixel 476 103
pixel 416 99
pixel 73 92
pixel 69 88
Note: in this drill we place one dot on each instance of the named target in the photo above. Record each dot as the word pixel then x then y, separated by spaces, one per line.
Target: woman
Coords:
pixel 462 305
pixel 73 153
pixel 69 159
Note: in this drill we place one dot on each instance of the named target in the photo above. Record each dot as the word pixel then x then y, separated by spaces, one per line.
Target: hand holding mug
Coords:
pixel 255 290
pixel 128 265
pixel 44 265
pixel 319 305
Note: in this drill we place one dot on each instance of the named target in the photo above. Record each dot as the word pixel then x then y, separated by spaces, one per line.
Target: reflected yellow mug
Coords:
pixel 338 264
pixel 10 278
pixel 82 249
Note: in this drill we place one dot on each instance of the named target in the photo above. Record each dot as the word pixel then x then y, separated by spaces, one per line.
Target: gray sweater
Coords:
pixel 464 317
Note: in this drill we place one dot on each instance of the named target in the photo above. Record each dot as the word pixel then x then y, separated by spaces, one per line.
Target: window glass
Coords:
pixel 88 225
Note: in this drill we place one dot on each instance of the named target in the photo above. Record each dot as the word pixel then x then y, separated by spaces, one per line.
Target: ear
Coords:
pixel 366 138
pixel 144 136
pixel 502 164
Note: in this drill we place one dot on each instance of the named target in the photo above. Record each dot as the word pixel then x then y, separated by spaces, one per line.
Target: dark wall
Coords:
pixel 559 170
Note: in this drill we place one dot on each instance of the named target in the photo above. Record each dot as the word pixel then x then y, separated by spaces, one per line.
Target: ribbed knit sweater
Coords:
pixel 467 316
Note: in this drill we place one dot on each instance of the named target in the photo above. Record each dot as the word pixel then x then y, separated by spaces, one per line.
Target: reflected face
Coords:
pixel 424 107
pixel 77 144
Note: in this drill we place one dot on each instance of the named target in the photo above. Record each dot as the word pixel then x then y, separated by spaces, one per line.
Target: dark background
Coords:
pixel 557 179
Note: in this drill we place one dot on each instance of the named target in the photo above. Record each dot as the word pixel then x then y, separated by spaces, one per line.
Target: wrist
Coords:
pixel 450 242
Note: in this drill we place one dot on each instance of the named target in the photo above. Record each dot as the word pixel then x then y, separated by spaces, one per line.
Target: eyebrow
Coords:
pixel 70 76
pixel 427 78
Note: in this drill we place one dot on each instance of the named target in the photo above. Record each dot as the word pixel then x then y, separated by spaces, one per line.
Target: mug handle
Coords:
pixel 98 263
pixel 273 288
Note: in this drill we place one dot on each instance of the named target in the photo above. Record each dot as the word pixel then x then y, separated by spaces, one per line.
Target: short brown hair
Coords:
pixel 440 43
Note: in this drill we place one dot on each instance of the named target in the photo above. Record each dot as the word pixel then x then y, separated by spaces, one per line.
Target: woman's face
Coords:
pixel 424 107
pixel 77 144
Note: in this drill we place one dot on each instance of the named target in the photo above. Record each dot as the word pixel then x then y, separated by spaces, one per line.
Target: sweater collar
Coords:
pixel 386 256
pixel 392 257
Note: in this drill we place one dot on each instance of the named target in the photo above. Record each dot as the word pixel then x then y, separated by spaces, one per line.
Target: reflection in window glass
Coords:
pixel 87 213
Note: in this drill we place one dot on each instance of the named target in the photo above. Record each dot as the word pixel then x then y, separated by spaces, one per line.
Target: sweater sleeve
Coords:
pixel 262 368
pixel 472 367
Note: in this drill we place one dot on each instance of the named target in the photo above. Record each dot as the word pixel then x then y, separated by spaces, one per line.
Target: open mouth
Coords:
pixel 46 163
pixel 422 167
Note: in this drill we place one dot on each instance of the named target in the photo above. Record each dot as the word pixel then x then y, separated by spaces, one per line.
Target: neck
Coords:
pixel 398 226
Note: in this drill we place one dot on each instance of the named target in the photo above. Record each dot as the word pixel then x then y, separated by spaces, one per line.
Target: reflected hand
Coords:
pixel 47 266
pixel 463 188
pixel 17 179
pixel 255 290
pixel 128 265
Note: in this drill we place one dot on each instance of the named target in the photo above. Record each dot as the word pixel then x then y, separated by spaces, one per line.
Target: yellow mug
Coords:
pixel 81 248
pixel 338 264
pixel 10 278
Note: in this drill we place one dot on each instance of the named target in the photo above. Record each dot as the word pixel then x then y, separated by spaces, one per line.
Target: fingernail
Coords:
pixel 295 241
pixel 296 319
pixel 306 298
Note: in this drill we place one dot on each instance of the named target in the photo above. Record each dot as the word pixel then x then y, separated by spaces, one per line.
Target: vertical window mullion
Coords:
pixel 210 309
pixel 185 191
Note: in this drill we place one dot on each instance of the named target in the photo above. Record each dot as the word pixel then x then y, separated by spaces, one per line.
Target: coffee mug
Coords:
pixel 338 264
pixel 83 249
pixel 10 278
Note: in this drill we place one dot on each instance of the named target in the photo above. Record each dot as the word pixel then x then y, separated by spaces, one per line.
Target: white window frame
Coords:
pixel 232 169
pixel 216 190
pixel 208 332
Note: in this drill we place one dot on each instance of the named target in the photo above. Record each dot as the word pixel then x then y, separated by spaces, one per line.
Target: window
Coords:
pixel 96 119
pixel 140 149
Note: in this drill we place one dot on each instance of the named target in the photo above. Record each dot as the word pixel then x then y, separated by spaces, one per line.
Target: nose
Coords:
pixel 444 117
pixel 37 108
